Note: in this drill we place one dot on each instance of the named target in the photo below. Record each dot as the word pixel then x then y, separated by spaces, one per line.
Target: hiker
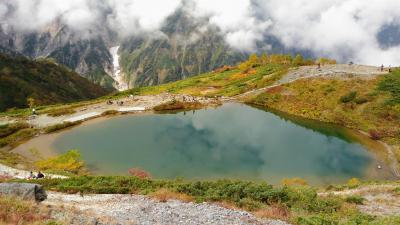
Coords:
pixel 382 67
pixel 390 68
pixel 319 65
pixel 33 111
pixel 40 175
pixel 31 176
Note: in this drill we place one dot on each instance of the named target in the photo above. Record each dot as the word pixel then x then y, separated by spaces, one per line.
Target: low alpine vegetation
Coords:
pixel 69 162
pixel 299 204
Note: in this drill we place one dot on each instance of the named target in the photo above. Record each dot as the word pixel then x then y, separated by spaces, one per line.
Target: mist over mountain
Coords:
pixel 162 41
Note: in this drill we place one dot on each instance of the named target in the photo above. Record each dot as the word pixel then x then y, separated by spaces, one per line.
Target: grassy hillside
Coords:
pixel 41 81
pixel 254 73
pixel 227 81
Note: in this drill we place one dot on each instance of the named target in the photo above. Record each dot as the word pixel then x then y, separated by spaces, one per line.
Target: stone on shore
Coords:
pixel 25 191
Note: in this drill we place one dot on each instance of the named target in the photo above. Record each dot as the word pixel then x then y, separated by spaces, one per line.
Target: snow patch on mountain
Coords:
pixel 117 75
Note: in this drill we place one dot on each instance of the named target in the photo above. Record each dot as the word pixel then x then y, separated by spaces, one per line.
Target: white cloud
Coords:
pixel 343 29
pixel 236 20
pixel 135 16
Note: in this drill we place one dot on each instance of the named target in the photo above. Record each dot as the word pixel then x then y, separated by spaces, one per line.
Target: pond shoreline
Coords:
pixel 45 141
pixel 47 151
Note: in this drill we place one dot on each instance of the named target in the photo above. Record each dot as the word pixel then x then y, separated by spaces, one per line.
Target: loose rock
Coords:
pixel 25 191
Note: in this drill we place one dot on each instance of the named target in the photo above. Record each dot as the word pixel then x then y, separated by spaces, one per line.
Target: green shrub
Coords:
pixel 222 190
pixel 358 200
pixel 69 161
pixel 110 113
pixel 315 220
pixel 391 83
pixel 178 105
pixel 306 198
pixel 61 126
pixel 348 97
pixel 61 112
pixel 8 129
pixel 17 137
pixel 361 100
pixel 353 182
pixel 350 218
pixel 249 204
pixel 10 158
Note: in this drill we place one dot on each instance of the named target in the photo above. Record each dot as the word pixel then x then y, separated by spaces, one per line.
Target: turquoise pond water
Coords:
pixel 232 141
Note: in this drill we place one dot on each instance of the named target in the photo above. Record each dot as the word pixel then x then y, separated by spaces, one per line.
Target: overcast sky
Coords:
pixel 343 29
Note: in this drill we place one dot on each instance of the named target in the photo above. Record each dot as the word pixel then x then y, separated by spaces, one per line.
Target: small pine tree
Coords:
pixel 264 59
pixel 253 60
pixel 31 102
pixel 288 59
pixel 298 60
pixel 244 66
pixel 326 61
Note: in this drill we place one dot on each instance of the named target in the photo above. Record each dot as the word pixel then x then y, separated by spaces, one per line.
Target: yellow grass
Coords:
pixel 163 195
pixel 273 212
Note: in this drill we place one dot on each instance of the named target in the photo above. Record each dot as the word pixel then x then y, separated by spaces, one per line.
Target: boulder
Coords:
pixel 26 191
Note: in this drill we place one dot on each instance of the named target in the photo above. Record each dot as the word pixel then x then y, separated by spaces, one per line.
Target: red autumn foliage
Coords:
pixel 223 69
pixel 140 173
pixel 374 134
pixel 275 90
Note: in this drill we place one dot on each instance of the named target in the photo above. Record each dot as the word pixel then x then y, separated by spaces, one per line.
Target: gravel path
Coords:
pixel 329 71
pixel 138 209
pixel 146 102
pixel 334 71
pixel 6 171
pixel 380 200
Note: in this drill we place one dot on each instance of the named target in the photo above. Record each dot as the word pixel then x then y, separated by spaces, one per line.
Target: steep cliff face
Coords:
pixel 89 56
pixel 186 47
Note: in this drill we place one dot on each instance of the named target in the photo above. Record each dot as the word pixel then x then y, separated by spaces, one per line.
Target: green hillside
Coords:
pixel 41 81
pixel 228 81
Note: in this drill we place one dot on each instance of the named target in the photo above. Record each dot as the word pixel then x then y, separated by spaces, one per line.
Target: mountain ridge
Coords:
pixel 43 81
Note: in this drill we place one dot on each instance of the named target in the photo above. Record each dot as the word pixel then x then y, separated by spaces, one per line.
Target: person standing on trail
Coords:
pixel 382 67
pixel 390 68
pixel 31 176
pixel 40 175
